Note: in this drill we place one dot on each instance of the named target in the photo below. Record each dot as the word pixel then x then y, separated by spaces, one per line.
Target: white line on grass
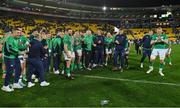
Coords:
pixel 130 80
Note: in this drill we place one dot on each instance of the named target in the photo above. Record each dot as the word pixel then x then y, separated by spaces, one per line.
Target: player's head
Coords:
pixel 151 32
pixel 16 32
pixel 48 35
pixel 20 29
pixel 58 32
pixel 70 32
pixel 76 34
pixel 88 32
pixel 121 31
pixel 66 32
pixel 81 33
pixel 35 32
pixel 109 34
pixel 159 30
pixel 99 32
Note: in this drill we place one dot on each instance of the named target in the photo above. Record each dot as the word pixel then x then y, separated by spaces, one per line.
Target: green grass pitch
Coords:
pixel 132 88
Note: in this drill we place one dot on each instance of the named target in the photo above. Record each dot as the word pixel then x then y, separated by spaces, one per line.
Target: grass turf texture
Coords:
pixel 84 91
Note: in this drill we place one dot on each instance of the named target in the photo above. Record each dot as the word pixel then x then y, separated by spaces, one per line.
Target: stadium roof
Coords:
pixel 108 3
pixel 93 9
pixel 125 3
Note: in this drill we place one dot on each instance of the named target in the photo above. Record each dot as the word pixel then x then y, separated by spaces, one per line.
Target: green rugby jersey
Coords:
pixel 49 42
pixel 88 41
pixel 159 45
pixel 109 42
pixel 23 43
pixel 68 40
pixel 57 44
pixel 77 41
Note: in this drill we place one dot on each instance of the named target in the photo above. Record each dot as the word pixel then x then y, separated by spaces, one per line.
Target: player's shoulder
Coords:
pixel 8 38
pixel 164 35
pixel 154 35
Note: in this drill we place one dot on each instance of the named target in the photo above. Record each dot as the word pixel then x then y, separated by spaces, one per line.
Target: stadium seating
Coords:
pixel 29 24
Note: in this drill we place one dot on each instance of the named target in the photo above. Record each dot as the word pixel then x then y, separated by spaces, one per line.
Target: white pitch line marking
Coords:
pixel 129 80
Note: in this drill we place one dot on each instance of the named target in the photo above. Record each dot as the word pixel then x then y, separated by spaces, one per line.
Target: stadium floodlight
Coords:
pixel 155 16
pixel 104 8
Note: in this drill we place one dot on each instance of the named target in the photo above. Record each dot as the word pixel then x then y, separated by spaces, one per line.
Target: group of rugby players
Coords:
pixel 69 51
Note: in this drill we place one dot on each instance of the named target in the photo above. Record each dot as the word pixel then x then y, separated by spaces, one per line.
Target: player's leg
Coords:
pixel 96 58
pixel 3 70
pixel 23 73
pixel 63 67
pixel 168 56
pixel 79 55
pixel 56 63
pixel 162 55
pixel 126 58
pixel 45 64
pixel 72 62
pixel 107 56
pixel 9 69
pixel 83 59
pixel 63 64
pixel 143 58
pixel 68 71
pixel 149 55
pixel 101 57
pixel 68 65
pixel 49 61
pixel 31 70
pixel 122 57
pixel 24 70
pixel 115 60
pixel 140 50
pixel 17 74
pixel 152 59
pixel 38 64
pixel 87 60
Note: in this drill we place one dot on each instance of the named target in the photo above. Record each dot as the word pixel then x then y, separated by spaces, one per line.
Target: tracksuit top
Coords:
pixel 10 47
pixel 36 49
pixel 57 44
pixel 146 42
pixel 122 39
pixel 99 45
pixel 45 51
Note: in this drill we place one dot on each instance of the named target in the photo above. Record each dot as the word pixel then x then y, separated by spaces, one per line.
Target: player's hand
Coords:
pixel 140 48
pixel 0 55
pixel 45 47
pixel 159 39
pixel 25 56
pixel 117 42
pixel 46 55
pixel 55 54
pixel 22 52
pixel 94 45
pixel 68 55
pixel 99 42
pixel 76 43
